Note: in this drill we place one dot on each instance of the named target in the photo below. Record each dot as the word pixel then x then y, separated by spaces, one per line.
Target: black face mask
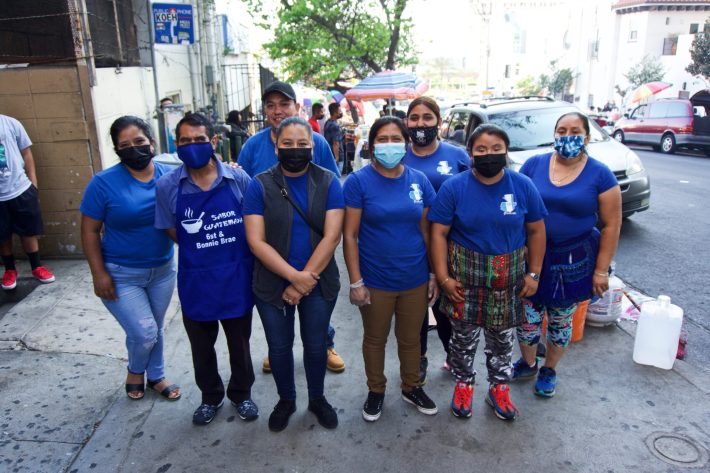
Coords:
pixel 295 159
pixel 488 165
pixel 136 157
pixel 423 135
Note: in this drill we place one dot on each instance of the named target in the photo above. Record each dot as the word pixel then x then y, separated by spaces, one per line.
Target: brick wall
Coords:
pixel 54 105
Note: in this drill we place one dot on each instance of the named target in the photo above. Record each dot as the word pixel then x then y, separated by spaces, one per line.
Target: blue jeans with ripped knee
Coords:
pixel 143 298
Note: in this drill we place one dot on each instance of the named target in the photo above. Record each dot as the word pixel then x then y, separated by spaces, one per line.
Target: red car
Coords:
pixel 667 124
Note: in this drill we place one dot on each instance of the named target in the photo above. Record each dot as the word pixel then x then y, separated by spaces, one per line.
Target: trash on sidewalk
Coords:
pixel 606 309
pixel 631 305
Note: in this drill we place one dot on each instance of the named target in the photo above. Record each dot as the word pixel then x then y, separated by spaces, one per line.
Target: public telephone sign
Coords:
pixel 173 23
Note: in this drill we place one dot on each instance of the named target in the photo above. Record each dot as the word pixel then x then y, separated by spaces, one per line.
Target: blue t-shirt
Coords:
pixel 446 161
pixel 259 153
pixel 300 247
pixel 126 206
pixel 489 219
pixel 333 132
pixel 573 207
pixel 392 250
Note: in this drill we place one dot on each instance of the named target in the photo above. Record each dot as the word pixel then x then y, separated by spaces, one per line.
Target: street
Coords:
pixel 664 250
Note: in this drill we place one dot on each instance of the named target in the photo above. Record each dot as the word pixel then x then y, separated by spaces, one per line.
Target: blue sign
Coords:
pixel 173 23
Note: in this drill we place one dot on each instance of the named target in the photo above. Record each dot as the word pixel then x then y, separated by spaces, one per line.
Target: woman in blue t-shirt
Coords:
pixel 577 190
pixel 385 246
pixel 481 223
pixel 293 214
pixel 132 265
pixel 438 161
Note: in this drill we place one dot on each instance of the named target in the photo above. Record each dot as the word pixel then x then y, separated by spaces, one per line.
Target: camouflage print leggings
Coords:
pixel 499 352
pixel 559 324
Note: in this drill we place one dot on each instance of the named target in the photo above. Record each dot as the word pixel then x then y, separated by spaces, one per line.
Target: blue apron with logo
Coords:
pixel 214 261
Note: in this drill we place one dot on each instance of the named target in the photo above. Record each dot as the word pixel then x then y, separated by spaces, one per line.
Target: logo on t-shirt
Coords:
pixel 416 193
pixel 508 205
pixel 444 169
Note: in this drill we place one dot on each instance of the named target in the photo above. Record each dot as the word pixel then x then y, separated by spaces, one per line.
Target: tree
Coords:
pixel 558 82
pixel 649 69
pixel 528 86
pixel 323 42
pixel 700 54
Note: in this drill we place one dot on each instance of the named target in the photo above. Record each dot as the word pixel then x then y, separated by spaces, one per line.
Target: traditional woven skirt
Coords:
pixel 491 284
pixel 567 270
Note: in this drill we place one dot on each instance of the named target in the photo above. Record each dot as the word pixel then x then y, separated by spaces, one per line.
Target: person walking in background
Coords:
pixel 334 134
pixel 132 265
pixel 317 113
pixel 294 218
pixel 19 204
pixel 578 191
pixel 214 264
pixel 260 154
pixel 479 259
pixel 238 134
pixel 438 161
pixel 385 238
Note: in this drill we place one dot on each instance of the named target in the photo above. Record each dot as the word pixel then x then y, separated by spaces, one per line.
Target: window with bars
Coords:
pixel 670 45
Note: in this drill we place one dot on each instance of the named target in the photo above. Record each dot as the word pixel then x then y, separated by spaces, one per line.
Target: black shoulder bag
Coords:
pixel 284 194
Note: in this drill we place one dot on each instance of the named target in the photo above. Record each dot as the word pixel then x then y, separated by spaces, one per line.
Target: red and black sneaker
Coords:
pixel 499 399
pixel 461 403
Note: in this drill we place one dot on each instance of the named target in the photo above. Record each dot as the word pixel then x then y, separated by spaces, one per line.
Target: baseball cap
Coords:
pixel 280 87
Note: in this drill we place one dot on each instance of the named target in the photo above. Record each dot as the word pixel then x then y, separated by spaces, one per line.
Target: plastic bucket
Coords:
pixel 580 314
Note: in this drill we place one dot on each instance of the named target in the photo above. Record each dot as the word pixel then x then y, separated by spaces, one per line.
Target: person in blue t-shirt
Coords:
pixel 481 223
pixel 577 190
pixel 294 216
pixel 259 155
pixel 132 265
pixel 438 161
pixel 333 134
pixel 385 245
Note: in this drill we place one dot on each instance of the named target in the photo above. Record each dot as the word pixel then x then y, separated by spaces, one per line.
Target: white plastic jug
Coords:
pixel 607 309
pixel 657 335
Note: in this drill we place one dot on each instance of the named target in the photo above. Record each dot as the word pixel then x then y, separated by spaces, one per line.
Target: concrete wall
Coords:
pixel 53 104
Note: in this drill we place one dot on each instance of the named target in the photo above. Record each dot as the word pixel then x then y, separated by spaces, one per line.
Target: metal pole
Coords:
pixel 151 30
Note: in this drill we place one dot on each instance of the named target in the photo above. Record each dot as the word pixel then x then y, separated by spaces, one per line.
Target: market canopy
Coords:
pixel 388 85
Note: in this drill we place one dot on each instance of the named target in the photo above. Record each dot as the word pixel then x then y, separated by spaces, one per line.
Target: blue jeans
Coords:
pixel 331 336
pixel 314 317
pixel 143 298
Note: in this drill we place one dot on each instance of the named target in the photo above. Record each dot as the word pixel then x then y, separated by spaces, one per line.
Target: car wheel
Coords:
pixel 668 143
pixel 619 136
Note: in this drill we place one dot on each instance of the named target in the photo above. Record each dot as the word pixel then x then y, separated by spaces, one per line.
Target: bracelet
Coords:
pixel 444 281
pixel 357 284
pixel 601 274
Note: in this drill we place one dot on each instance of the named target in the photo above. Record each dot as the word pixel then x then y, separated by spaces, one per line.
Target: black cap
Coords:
pixel 280 87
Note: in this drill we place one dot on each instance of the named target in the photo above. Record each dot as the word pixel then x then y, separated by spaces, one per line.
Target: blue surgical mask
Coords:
pixel 389 154
pixel 569 147
pixel 195 155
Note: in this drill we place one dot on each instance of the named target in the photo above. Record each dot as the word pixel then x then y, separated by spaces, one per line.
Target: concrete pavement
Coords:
pixel 62 370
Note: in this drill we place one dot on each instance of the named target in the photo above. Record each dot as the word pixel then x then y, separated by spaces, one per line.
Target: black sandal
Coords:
pixel 131 388
pixel 166 392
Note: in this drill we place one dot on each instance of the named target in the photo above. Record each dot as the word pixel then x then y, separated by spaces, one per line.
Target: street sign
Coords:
pixel 173 23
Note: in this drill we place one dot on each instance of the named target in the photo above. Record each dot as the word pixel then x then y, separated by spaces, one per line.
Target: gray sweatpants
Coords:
pixel 499 352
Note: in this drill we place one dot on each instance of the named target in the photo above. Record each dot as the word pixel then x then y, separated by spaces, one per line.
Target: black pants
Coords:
pixel 443 329
pixel 203 336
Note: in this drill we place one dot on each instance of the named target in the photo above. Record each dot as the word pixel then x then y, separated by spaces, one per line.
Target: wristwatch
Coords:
pixel 534 276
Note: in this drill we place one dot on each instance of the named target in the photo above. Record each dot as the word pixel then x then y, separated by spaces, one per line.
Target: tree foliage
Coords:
pixel 649 69
pixel 700 53
pixel 528 86
pixel 559 80
pixel 323 42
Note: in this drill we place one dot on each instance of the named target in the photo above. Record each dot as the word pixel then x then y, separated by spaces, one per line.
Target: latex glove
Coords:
pixel 359 294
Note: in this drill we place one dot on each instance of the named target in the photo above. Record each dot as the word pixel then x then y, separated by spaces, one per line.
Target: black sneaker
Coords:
pixel 372 409
pixel 278 420
pixel 327 417
pixel 418 398
pixel 205 413
pixel 423 365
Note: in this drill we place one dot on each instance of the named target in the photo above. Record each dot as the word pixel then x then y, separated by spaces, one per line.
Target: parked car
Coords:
pixel 666 124
pixel 530 122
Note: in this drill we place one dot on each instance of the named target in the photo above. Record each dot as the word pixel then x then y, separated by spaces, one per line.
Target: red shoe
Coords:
pixel 43 274
pixel 499 399
pixel 461 403
pixel 9 279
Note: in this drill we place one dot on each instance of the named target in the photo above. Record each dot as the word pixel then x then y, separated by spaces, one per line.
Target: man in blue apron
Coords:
pixel 199 205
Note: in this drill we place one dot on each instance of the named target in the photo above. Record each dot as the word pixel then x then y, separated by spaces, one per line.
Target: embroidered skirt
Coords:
pixel 491 284
pixel 567 270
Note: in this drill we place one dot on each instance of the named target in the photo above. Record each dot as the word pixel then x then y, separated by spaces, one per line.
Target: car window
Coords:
pixel 530 129
pixel 658 110
pixel 457 128
pixel 699 111
pixel 640 112
pixel 677 109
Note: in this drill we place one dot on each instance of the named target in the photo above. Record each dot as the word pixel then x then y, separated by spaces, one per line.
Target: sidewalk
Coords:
pixel 64 408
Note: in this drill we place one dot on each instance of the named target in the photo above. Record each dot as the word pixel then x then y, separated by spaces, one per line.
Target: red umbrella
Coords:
pixel 647 90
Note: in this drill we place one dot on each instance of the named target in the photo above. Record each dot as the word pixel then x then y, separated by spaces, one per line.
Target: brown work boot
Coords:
pixel 266 367
pixel 335 363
